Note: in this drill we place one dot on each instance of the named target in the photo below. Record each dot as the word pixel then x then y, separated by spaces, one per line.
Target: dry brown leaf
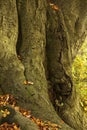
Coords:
pixel 9 99
pixel 53 6
pixel 28 82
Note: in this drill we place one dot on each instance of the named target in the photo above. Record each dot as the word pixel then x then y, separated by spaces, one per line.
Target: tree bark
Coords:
pixel 65 34
pixel 47 41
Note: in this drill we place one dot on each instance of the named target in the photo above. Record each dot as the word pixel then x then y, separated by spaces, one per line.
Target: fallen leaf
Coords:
pixel 5 112
pixel 53 6
pixel 31 83
pixel 28 82
pixel 25 82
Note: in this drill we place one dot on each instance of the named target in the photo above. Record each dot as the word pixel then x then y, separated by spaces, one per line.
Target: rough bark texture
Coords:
pixel 47 41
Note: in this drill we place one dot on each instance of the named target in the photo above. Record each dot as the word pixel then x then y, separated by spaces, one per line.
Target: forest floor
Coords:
pixel 9 100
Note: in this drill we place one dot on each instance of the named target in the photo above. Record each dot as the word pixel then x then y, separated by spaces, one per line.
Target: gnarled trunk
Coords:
pixel 47 40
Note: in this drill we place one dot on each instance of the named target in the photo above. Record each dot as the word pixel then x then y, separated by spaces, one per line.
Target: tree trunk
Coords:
pixel 38 43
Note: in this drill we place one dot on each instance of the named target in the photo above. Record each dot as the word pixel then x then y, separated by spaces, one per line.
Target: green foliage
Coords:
pixel 79 73
pixel 79 70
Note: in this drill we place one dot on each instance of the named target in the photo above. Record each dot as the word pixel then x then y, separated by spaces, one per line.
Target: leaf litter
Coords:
pixel 10 100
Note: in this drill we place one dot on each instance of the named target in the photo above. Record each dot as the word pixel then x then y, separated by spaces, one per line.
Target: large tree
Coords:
pixel 39 40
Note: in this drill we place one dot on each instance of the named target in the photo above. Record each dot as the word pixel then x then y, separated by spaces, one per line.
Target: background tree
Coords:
pixel 47 36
